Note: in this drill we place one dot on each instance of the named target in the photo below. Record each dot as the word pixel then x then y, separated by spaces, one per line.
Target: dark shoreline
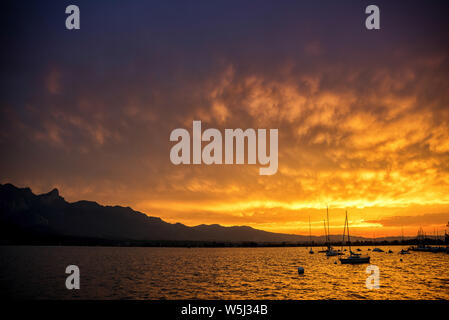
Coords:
pixel 192 244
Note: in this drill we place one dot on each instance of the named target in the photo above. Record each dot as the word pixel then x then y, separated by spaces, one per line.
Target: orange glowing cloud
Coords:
pixel 363 123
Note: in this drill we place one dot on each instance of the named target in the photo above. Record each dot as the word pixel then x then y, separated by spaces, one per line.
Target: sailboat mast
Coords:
pixel 310 233
pixel 328 233
pixel 347 226
pixel 344 232
pixel 325 232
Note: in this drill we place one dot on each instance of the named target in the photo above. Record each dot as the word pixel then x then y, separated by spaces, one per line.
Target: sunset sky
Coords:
pixel 363 116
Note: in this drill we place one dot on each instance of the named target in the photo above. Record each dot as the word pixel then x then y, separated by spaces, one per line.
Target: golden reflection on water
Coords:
pixel 218 273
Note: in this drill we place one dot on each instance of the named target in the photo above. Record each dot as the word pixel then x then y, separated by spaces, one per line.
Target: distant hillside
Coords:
pixel 25 216
pixel 21 212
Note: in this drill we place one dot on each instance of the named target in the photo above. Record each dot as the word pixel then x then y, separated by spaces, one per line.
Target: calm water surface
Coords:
pixel 216 273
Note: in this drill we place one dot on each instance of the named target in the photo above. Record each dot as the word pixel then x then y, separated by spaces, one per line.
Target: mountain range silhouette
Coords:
pixel 22 213
pixel 49 219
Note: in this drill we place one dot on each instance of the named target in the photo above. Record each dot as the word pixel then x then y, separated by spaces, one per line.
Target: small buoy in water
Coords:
pixel 300 270
pixel 335 262
pixel 400 260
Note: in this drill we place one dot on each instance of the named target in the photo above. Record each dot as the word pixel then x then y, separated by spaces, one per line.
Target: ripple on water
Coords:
pixel 211 273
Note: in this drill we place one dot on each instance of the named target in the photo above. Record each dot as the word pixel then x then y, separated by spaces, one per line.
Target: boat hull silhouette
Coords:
pixel 355 260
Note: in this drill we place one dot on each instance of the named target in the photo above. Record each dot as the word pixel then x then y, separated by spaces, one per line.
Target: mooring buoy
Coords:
pixel 300 270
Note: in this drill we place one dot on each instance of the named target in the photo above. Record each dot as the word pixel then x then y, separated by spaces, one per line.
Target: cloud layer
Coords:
pixel 363 117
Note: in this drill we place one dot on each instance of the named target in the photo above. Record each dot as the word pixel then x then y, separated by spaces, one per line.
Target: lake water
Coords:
pixel 216 273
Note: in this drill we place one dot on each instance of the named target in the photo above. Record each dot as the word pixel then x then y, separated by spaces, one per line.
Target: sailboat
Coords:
pixel 330 252
pixel 422 246
pixel 310 238
pixel 376 249
pixel 403 251
pixel 325 235
pixel 354 258
pixel 374 241
pixel 446 239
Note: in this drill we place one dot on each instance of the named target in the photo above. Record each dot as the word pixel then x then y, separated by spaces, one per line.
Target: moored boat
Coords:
pixel 354 258
pixel 331 252
pixel 310 238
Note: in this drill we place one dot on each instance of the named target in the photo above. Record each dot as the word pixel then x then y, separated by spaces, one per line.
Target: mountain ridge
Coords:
pixel 51 213
pixel 25 213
